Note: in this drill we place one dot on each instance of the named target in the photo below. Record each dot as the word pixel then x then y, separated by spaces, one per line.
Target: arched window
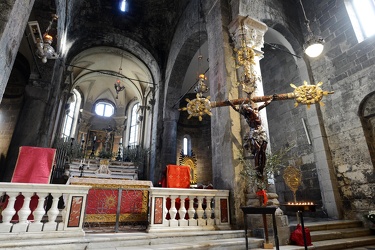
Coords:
pixel 122 5
pixel 71 116
pixel 186 145
pixel 134 126
pixel 103 108
pixel 362 17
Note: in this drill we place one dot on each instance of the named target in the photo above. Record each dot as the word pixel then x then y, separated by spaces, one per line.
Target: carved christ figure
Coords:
pixel 256 139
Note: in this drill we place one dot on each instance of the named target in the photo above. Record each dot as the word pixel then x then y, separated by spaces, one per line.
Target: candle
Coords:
pixel 83 137
pixel 95 138
pixel 121 140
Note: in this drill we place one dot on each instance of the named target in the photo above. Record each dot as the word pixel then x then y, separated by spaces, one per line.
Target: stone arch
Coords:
pixel 189 36
pixel 280 68
pixel 181 63
pixel 366 114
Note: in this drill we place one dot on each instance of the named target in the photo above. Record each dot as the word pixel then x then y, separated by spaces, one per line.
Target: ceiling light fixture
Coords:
pixel 43 43
pixel 315 44
pixel 118 86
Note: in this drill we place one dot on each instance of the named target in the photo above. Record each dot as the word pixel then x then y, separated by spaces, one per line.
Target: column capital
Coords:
pixel 249 29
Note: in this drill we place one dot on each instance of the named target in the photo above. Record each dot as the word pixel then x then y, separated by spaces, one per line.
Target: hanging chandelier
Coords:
pixel 43 43
pixel 117 85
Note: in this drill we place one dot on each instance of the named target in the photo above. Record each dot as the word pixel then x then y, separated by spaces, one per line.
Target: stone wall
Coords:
pixel 286 127
pixel 345 67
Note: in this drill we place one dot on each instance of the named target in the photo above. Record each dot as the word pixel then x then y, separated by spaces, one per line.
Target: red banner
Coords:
pixel 34 165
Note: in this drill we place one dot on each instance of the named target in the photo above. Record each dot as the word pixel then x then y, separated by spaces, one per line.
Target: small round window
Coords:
pixel 104 109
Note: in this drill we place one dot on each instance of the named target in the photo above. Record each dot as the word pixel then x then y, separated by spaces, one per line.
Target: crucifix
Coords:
pixel 256 140
pixel 247 55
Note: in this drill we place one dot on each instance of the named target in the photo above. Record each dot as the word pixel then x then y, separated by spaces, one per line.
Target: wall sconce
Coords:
pixel 43 43
pixel 315 44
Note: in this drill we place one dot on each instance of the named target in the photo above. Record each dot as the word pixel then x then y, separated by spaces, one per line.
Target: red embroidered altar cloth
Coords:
pixel 178 176
pixel 34 165
pixel 104 195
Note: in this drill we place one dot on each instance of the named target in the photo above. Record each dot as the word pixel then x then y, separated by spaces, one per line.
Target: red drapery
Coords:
pixel 178 176
pixel 34 165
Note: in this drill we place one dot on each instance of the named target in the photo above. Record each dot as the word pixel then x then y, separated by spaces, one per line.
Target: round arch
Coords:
pixel 366 112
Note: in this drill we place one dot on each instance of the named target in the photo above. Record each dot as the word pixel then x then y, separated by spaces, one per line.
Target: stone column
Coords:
pixel 169 149
pixel 225 128
pixel 13 21
pixel 28 128
pixel 247 34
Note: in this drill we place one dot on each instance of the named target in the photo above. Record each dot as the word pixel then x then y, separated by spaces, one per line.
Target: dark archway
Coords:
pixel 367 116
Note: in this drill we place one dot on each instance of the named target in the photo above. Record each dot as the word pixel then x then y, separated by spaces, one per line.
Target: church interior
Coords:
pixel 226 88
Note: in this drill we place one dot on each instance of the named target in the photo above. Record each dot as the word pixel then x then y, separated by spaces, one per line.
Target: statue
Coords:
pixel 256 139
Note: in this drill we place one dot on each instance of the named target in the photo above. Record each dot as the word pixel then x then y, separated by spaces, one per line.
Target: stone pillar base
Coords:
pixel 255 221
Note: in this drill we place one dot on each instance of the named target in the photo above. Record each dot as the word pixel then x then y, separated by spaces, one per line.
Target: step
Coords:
pixel 339 234
pixel 344 243
pixel 330 225
pixel 347 243
pixel 170 238
pixel 222 244
pixel 231 239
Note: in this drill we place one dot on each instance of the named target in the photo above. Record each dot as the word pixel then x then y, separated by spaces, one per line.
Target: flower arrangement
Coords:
pixel 105 154
pixel 274 162
pixel 370 216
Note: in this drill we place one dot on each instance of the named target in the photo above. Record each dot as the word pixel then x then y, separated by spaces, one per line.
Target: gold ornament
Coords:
pixel 292 177
pixel 309 94
pixel 198 107
pixel 246 59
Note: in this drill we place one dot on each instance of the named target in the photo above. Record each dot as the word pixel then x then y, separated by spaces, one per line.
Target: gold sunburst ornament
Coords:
pixel 293 177
pixel 198 107
pixel 309 94
pixel 245 58
pixel 245 55
pixel 110 202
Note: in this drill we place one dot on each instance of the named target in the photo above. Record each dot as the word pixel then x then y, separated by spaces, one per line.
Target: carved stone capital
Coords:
pixel 249 30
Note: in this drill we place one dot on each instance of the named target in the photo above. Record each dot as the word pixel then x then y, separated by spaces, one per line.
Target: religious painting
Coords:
pixel 99 141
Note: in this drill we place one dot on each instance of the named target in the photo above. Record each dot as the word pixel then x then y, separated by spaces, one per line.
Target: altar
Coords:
pixel 115 200
pixel 95 168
